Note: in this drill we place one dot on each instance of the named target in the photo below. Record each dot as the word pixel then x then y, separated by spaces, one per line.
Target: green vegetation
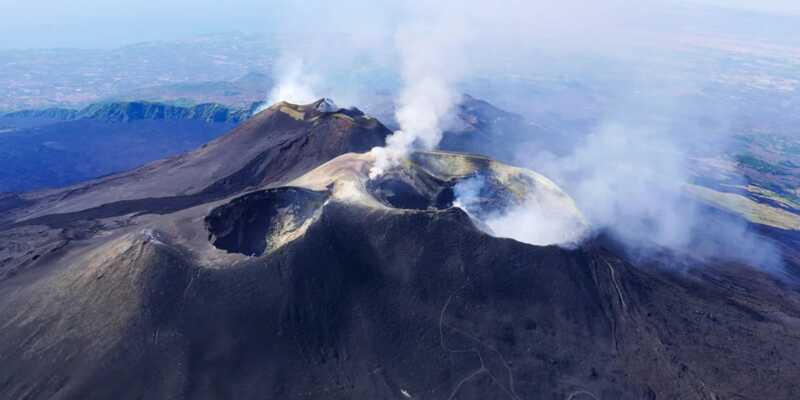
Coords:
pixel 759 165
pixel 789 200
pixel 779 144
pixel 751 210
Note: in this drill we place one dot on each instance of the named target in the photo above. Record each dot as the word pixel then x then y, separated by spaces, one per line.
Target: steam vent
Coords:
pixel 266 264
pixel 426 181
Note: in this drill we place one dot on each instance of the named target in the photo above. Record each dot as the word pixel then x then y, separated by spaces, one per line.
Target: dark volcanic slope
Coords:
pixel 378 304
pixel 200 277
pixel 59 147
pixel 478 127
pixel 278 143
pixel 65 153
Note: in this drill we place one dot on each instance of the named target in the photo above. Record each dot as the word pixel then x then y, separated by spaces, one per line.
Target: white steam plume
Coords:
pixel 538 224
pixel 543 218
pixel 295 83
pixel 628 176
pixel 431 51
pixel 630 180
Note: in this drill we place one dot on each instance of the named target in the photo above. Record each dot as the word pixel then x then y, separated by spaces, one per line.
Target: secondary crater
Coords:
pixel 401 189
pixel 260 222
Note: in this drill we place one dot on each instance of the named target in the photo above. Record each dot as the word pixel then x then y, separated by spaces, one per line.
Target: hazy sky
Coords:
pixel 784 7
pixel 109 23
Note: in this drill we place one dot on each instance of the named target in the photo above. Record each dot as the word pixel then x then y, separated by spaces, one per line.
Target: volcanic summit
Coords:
pixel 266 264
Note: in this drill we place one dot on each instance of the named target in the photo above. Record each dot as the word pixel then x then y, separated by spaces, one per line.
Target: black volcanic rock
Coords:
pixel 478 127
pixel 246 224
pixel 481 128
pixel 374 304
pixel 264 266
pixel 277 144
pixel 59 147
pixel 65 153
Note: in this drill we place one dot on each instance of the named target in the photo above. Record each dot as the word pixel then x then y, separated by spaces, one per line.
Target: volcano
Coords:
pixel 266 264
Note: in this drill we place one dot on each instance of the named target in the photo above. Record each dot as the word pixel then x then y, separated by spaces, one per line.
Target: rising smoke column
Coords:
pixel 431 50
pixel 295 83
pixel 544 217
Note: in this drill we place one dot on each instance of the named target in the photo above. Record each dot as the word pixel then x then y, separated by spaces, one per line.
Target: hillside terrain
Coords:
pixel 267 264
pixel 57 147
